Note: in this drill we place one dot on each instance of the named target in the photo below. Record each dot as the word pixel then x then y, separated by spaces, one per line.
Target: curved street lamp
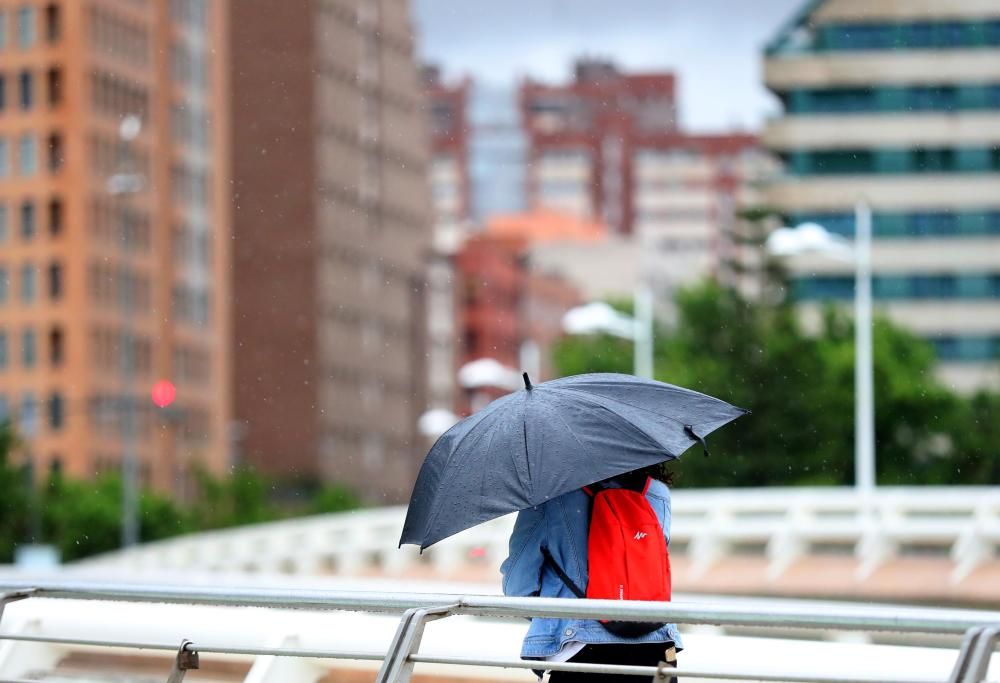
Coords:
pixel 488 372
pixel 598 317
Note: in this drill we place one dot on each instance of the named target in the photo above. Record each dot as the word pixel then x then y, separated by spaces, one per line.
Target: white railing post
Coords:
pixel 788 545
pixel 398 667
pixel 273 669
pixel 708 546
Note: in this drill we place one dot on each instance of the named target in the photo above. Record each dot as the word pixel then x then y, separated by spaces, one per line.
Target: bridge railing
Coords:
pixel 961 524
pixel 981 629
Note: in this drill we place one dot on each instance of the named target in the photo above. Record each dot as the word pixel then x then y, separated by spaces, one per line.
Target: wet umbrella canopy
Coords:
pixel 546 440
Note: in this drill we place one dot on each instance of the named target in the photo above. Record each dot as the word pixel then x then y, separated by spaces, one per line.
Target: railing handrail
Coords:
pixel 826 616
pixel 981 628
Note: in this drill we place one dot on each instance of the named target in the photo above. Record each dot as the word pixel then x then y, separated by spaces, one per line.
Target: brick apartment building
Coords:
pixel 114 242
pixel 333 222
pixel 607 147
pixel 580 138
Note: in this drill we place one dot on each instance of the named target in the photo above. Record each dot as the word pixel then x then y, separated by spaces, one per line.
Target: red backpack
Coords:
pixel 627 554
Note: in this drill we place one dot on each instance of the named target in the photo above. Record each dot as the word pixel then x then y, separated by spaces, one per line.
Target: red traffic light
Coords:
pixel 164 392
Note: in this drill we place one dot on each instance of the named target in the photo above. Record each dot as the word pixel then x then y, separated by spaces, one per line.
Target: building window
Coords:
pixel 25 89
pixel 4 351
pixel 28 417
pixel 28 288
pixel 933 160
pixel 3 29
pixel 56 346
pixel 4 284
pixel 4 158
pixel 53 23
pixel 28 355
pixel 25 26
pixel 895 287
pixel 4 222
pixel 56 411
pixel 55 152
pixel 55 217
pixel 55 281
pixel 27 220
pixel 54 83
pixel 3 92
pixel 967 349
pixel 27 155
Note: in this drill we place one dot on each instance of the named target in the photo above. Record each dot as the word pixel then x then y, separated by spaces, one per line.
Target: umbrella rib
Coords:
pixel 590 397
pixel 655 442
pixel 527 456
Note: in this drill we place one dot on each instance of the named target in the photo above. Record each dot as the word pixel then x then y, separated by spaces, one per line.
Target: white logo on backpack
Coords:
pixel 639 535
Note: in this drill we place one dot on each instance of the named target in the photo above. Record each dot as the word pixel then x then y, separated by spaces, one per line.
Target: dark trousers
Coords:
pixel 641 654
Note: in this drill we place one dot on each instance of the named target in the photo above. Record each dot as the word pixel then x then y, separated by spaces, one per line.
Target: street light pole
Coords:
pixel 864 389
pixel 643 340
pixel 122 185
pixel 811 237
pixel 600 317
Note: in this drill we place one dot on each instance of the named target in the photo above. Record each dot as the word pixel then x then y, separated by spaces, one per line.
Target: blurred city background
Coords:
pixel 256 256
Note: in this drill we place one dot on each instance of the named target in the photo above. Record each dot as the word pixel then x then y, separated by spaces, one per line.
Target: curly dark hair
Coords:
pixel 637 478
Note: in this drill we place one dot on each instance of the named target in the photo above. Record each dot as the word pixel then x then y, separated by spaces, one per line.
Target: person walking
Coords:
pixel 550 556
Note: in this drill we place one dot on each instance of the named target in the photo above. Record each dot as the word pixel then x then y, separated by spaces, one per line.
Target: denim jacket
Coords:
pixel 561 525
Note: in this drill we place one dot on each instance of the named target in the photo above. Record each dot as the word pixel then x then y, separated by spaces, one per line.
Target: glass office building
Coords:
pixel 899 104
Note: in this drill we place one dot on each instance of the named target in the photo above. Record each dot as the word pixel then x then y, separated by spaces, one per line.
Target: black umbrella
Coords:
pixel 538 443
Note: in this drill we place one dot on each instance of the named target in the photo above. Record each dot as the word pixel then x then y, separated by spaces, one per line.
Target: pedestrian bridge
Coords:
pixel 331 598
pixel 928 544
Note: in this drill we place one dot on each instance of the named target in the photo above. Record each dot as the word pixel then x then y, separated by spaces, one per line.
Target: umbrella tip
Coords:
pixel 527 381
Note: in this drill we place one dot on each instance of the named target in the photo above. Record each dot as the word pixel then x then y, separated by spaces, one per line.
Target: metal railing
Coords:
pixel 981 629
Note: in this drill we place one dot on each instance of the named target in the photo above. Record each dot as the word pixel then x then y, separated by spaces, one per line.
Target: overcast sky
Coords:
pixel 714 46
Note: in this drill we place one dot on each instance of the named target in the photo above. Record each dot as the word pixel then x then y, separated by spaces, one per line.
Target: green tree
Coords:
pixel 85 517
pixel 334 498
pixel 242 497
pixel 800 386
pixel 14 497
pixel 976 440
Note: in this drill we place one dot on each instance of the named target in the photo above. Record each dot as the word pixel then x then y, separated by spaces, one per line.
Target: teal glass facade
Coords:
pixel 907 36
pixel 806 162
pixel 905 99
pixel 905 286
pixel 913 35
pixel 892 99
pixel 909 225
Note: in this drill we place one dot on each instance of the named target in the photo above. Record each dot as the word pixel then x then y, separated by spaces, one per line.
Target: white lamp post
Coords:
pixel 487 373
pixel 599 317
pixel 436 421
pixel 811 237
pixel 127 182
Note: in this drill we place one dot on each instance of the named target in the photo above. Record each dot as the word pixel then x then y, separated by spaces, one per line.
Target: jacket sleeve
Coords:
pixel 522 570
pixel 659 497
pixel 666 515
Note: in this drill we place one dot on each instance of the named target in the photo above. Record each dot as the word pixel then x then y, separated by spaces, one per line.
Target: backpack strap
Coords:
pixel 561 574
